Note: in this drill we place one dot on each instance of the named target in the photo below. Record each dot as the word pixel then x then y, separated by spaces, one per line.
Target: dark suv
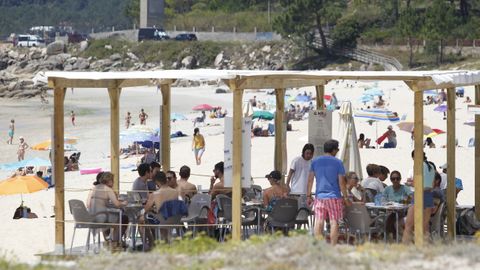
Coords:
pixel 152 34
pixel 186 37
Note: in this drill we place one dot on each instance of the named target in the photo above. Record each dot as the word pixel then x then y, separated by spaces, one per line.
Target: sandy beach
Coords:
pixel 22 239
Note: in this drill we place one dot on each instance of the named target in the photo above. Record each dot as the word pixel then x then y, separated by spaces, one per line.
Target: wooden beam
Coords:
pixel 477 153
pixel 451 198
pixel 58 168
pixel 280 140
pixel 114 94
pixel 320 89
pixel 166 102
pixel 269 82
pixel 107 83
pixel 418 168
pixel 237 162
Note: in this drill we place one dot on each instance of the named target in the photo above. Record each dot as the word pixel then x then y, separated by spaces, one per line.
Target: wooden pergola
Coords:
pixel 240 80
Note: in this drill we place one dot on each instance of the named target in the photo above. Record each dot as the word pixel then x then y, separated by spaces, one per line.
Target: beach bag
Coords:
pixel 467 223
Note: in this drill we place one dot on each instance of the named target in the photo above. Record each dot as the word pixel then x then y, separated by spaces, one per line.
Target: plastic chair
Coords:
pixel 437 221
pixel 249 216
pixel 370 194
pixel 176 209
pixel 359 222
pixel 84 220
pixel 283 215
pixel 198 210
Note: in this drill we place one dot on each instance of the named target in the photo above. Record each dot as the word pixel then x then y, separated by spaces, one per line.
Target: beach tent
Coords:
pixel 35 162
pixel 347 135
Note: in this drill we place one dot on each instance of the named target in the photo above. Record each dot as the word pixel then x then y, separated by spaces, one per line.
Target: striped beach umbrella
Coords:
pixel 377 115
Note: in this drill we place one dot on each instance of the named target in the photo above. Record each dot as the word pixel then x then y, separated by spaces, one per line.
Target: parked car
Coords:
pixel 29 41
pixel 152 34
pixel 186 37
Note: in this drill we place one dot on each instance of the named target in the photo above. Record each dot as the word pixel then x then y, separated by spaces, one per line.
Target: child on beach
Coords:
pixel 11 130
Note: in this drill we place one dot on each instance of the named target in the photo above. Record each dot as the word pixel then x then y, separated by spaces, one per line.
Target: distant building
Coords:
pixel 152 13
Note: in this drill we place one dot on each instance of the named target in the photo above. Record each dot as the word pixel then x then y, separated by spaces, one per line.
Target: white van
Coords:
pixel 30 41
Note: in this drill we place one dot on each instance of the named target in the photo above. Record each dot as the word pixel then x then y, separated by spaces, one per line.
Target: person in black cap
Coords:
pixel 276 191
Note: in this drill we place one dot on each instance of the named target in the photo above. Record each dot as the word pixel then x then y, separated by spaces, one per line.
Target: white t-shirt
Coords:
pixel 373 183
pixel 443 183
pixel 301 168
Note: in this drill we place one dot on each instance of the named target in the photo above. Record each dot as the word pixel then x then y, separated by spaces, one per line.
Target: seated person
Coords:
pixel 218 188
pixel 438 194
pixel 187 190
pixel 372 182
pixel 149 156
pixel 155 202
pixel 140 184
pixel 24 212
pixel 275 192
pixel 355 191
pixel 362 142
pixel 429 143
pixel 397 192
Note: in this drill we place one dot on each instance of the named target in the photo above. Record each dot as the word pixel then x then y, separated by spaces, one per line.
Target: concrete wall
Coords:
pixel 132 35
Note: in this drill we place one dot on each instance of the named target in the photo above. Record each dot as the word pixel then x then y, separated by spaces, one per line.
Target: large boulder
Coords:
pixel 81 64
pixel 13 54
pixel 83 46
pixel 115 57
pixel 56 47
pixel 218 60
pixel 3 64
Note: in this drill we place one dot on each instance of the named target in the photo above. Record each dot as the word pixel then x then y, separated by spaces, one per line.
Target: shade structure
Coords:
pixel 347 135
pixel 366 98
pixel 430 92
pixel 36 162
pixel 263 115
pixel 203 107
pixel 22 185
pixel 408 127
pixel 377 115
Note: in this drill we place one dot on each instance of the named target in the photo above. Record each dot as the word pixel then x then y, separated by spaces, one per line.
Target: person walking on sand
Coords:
pixel 128 118
pixel 299 169
pixel 198 145
pixel 11 131
pixel 22 147
pixel 143 117
pixel 330 192
pixel 72 116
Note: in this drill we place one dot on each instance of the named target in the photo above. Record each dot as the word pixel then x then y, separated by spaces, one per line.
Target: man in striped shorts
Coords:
pixel 330 185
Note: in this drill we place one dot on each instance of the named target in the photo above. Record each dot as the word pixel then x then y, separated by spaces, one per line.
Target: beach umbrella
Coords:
pixel 177 117
pixel 408 127
pixel 378 115
pixel 203 107
pixel 22 185
pixel 374 92
pixel 47 144
pixel 348 153
pixel 470 122
pixel 263 115
pixel 441 108
pixel 302 98
pixel 430 92
pixel 35 162
pixel 366 98
pixel 327 97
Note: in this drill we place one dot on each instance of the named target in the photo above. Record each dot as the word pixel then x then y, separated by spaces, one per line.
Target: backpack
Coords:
pixel 467 222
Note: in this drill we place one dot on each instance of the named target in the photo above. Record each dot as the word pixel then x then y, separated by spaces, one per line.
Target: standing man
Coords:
pixel 11 131
pixel 143 117
pixel 299 169
pixel 72 116
pixel 330 192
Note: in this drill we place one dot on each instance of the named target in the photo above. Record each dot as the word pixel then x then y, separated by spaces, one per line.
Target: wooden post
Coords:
pixel 477 153
pixel 58 168
pixel 280 140
pixel 418 166
pixel 166 99
pixel 237 162
pixel 320 89
pixel 451 163
pixel 114 94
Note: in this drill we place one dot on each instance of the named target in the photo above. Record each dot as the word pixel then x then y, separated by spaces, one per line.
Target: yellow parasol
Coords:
pixel 46 145
pixel 22 185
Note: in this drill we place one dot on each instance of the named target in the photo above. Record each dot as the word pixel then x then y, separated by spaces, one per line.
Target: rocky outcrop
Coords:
pixel 19 65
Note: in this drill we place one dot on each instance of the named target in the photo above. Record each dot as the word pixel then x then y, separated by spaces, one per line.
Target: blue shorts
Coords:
pixel 427 199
